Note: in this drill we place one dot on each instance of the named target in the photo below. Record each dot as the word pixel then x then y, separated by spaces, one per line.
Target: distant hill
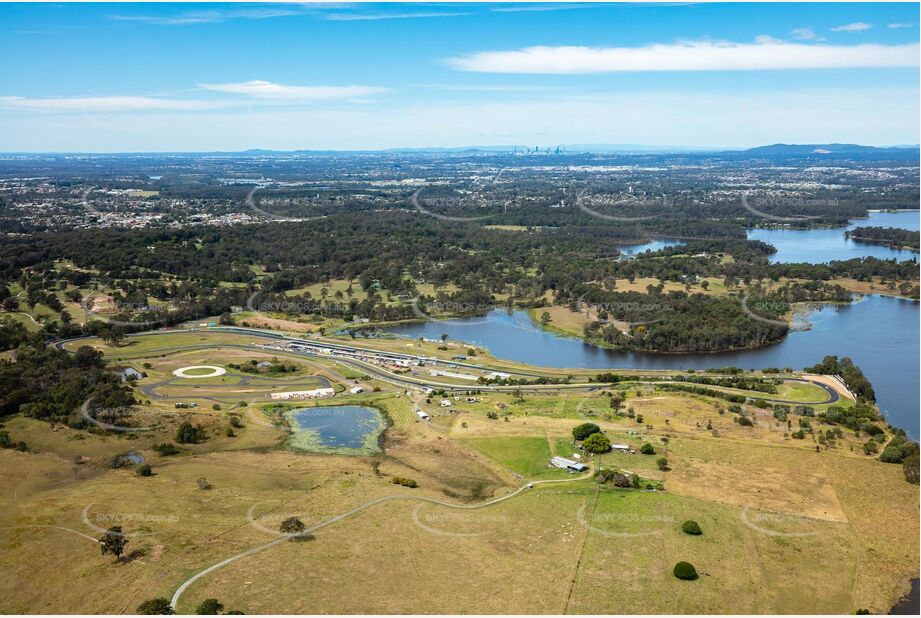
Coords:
pixel 818 150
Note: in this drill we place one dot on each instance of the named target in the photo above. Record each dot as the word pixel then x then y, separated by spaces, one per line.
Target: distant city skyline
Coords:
pixel 228 77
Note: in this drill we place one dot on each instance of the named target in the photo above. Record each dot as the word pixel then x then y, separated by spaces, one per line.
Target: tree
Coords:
pixel 188 434
pixel 597 443
pixel 617 399
pixel 155 607
pixel 444 338
pixel 662 463
pixel 144 470
pixel 685 570
pixel 691 527
pixel 545 318
pixel 292 525
pixel 209 607
pixel 581 432
pixel 113 542
pixel 647 449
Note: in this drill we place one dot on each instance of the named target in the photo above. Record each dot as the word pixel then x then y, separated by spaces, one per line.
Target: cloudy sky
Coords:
pixel 199 77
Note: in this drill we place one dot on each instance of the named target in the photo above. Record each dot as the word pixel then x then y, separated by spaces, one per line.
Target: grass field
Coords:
pixel 527 456
pixel 789 525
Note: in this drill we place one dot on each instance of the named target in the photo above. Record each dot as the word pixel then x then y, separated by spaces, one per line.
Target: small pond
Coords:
pixel 348 430
pixel 127 459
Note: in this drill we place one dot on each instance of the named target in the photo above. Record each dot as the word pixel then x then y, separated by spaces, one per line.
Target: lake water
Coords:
pixel 654 245
pixel 335 429
pixel 825 245
pixel 879 333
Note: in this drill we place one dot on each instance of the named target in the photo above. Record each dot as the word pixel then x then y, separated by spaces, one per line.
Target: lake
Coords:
pixel 825 245
pixel 879 333
pixel 349 430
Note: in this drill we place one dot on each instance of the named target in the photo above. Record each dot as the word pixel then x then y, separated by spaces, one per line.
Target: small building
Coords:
pixel 422 415
pixel 130 373
pixel 445 403
pixel 357 389
pixel 568 464
pixel 316 393
pixel 621 448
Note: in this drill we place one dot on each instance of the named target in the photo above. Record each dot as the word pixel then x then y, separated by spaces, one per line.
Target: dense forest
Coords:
pixel 210 270
pixel 49 384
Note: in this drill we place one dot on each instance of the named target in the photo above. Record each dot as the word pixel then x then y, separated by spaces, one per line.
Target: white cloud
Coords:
pixel 207 17
pixel 857 26
pixel 540 8
pixel 803 34
pixel 898 25
pixel 885 115
pixel 268 90
pixel 253 92
pixel 379 16
pixel 106 104
pixel 766 54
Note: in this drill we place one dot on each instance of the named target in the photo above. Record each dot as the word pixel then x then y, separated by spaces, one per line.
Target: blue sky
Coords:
pixel 148 77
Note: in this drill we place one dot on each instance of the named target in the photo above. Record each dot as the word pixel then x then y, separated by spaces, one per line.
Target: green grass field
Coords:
pixel 528 456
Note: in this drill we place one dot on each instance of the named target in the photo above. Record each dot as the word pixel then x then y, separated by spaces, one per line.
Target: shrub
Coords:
pixel 597 443
pixel 685 570
pixel 405 482
pixel 292 525
pixel 647 449
pixel 144 470
pixel 745 421
pixel 229 432
pixel 155 607
pixel 892 454
pixel 662 463
pixel 166 449
pixel 691 527
pixel 911 468
pixel 583 431
pixel 870 447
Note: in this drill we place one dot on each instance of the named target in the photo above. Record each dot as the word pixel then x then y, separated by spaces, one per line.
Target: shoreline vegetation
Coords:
pixel 893 237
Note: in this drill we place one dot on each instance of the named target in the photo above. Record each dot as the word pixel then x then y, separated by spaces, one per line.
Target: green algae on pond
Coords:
pixel 341 430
